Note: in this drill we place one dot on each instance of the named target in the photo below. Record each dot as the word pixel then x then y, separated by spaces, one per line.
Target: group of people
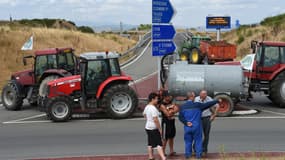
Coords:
pixel 196 114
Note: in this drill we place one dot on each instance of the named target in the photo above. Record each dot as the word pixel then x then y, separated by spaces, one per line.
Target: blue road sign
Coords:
pixel 161 48
pixel 163 32
pixel 162 11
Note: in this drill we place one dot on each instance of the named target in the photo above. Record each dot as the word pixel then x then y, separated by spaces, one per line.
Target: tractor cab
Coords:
pixel 269 59
pixel 96 67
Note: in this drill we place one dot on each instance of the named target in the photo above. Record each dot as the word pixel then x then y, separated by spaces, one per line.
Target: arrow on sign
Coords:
pixel 162 11
pixel 160 48
pixel 163 32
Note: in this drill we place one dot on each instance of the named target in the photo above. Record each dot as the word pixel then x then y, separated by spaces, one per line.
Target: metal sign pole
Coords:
pixel 158 72
pixel 218 34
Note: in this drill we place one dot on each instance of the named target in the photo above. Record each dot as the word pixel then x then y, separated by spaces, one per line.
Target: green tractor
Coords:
pixel 190 49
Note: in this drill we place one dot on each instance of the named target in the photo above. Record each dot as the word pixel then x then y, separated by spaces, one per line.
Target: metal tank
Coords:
pixel 216 79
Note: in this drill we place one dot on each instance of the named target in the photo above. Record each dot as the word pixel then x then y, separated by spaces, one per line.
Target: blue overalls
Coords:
pixel 192 112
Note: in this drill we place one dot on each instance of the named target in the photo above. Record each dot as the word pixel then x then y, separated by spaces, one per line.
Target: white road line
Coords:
pixel 282 114
pixel 263 117
pixel 138 56
pixel 25 122
pixel 22 119
pixel 144 78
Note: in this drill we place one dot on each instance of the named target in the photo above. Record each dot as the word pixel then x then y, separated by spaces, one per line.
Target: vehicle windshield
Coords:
pixel 247 62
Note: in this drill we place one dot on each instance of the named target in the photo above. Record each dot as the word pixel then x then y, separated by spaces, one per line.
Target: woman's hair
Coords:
pixel 152 96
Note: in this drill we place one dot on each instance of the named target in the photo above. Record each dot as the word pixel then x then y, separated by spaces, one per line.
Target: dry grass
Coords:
pixel 12 39
pixel 254 33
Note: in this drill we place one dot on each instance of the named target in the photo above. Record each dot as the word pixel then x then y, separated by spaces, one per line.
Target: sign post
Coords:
pixel 162 31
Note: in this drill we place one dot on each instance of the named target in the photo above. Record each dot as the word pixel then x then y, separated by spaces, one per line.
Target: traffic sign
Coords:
pixel 218 22
pixel 161 48
pixel 162 11
pixel 163 32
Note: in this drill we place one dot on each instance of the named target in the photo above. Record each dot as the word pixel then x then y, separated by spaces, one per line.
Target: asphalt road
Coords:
pixel 36 138
pixel 28 134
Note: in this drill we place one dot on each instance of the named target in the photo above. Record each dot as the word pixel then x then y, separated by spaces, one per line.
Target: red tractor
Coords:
pixel 32 84
pixel 100 87
pixel 268 71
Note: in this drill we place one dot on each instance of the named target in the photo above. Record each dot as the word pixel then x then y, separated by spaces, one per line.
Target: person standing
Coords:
pixel 168 111
pixel 208 116
pixel 152 127
pixel 190 115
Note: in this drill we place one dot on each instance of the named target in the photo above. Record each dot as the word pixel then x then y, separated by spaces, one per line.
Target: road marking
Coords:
pixel 263 117
pixel 142 53
pixel 25 122
pixel 144 78
pixel 282 114
pixel 23 119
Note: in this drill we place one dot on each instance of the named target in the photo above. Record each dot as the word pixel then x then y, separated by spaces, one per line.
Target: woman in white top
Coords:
pixel 152 127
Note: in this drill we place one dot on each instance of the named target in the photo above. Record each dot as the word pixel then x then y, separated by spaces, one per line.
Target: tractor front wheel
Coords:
pixel 11 97
pixel 59 109
pixel 277 92
pixel 120 101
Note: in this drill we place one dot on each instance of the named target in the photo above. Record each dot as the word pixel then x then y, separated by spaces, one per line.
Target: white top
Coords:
pixel 150 112
pixel 206 112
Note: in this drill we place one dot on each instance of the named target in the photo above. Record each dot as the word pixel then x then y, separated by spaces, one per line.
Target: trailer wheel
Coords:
pixel 120 101
pixel 226 107
pixel 195 56
pixel 277 91
pixel 59 109
pixel 11 97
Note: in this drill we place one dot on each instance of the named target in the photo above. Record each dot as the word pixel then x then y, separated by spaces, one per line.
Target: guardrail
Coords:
pixel 131 54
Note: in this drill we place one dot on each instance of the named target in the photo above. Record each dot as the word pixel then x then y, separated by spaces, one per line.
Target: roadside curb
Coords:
pixel 180 156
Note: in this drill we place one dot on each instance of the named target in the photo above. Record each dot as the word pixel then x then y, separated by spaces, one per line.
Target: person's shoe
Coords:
pixel 204 154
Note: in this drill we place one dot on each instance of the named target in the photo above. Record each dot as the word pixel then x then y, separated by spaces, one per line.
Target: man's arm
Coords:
pixel 182 118
pixel 207 105
pixel 163 109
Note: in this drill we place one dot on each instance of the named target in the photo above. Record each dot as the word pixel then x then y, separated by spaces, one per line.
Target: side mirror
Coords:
pixel 24 59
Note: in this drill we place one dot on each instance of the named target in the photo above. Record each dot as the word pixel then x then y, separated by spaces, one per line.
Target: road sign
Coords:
pixel 162 11
pixel 160 48
pixel 163 32
pixel 221 22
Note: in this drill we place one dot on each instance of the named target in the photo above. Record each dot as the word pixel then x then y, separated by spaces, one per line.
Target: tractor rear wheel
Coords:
pixel 120 101
pixel 43 86
pixel 226 107
pixel 195 56
pixel 277 91
pixel 11 97
pixel 59 109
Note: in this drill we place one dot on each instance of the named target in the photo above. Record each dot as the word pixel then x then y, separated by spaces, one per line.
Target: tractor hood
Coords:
pixel 24 77
pixel 65 80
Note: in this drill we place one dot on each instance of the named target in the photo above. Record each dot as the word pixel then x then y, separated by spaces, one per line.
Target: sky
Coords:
pixel 190 13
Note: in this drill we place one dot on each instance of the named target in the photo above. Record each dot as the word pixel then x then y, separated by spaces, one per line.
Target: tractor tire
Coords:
pixel 120 101
pixel 43 86
pixel 11 98
pixel 226 107
pixel 277 91
pixel 195 56
pixel 59 109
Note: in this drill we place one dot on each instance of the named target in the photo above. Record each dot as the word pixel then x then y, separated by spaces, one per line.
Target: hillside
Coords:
pixel 13 37
pixel 270 29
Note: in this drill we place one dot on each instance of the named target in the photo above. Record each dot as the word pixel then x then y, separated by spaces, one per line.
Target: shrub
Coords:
pixel 240 39
pixel 85 29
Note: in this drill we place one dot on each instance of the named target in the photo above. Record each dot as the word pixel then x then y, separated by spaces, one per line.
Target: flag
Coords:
pixel 28 45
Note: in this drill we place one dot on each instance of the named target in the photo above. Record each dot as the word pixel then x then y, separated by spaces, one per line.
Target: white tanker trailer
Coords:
pixel 220 81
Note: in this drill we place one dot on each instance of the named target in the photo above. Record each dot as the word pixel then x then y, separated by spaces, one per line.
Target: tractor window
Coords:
pixel 62 61
pixel 271 56
pixel 282 53
pixel 115 68
pixel 41 65
pixel 51 63
pixel 70 59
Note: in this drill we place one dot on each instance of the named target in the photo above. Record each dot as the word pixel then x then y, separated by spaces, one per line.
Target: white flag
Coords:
pixel 28 45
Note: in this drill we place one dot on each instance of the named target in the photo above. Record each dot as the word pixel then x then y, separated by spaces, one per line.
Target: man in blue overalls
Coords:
pixel 190 115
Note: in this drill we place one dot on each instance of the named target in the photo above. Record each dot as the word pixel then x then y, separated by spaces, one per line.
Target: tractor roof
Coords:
pixel 98 55
pixel 271 43
pixel 53 51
